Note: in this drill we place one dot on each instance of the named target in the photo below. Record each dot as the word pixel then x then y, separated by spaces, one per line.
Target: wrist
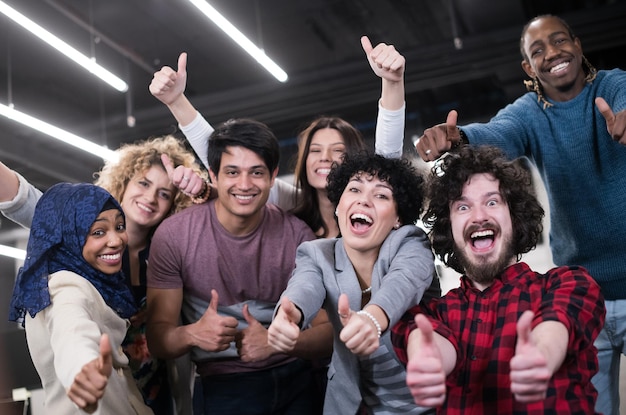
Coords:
pixel 371 317
pixel 463 140
pixel 204 194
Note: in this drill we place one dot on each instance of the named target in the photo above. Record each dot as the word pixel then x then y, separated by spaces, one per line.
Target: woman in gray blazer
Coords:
pixel 365 279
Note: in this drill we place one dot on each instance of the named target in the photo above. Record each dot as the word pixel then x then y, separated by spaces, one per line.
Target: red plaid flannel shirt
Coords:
pixel 482 328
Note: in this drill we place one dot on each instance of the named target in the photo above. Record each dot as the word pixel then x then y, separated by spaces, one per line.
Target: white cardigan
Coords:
pixel 66 335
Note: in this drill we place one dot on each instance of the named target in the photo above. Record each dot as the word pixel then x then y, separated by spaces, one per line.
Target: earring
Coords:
pixel 591 71
pixel 396 226
pixel 337 212
pixel 534 86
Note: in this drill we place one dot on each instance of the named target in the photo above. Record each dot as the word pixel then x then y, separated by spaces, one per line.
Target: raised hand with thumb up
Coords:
pixel 284 331
pixel 530 372
pixel 360 331
pixel 89 384
pixel 425 373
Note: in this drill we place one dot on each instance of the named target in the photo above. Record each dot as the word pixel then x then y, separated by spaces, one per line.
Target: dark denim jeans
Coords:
pixel 284 390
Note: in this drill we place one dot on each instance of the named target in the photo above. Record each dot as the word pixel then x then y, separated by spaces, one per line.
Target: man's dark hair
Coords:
pixel 534 19
pixel 250 134
pixel 407 184
pixel 446 186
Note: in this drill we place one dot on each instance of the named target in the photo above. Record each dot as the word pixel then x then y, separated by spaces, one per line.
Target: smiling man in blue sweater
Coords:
pixel 571 125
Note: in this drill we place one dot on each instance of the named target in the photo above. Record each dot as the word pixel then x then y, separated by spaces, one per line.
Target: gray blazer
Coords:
pixel 402 274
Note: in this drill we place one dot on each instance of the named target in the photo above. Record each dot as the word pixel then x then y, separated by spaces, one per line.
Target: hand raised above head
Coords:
pixel 439 139
pixel 168 85
pixel 385 60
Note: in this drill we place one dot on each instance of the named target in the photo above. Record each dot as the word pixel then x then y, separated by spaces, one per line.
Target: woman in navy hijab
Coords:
pixel 72 298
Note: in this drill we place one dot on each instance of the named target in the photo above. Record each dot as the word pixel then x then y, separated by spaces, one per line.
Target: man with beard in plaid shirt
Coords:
pixel 509 340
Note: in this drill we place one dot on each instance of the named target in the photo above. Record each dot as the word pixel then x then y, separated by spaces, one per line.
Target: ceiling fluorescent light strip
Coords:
pixel 84 61
pixel 12 252
pixel 58 133
pixel 241 39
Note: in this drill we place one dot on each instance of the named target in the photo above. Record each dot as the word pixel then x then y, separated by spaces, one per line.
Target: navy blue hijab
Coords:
pixel 62 220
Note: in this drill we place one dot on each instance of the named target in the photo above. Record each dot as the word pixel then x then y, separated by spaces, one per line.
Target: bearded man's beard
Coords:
pixel 484 270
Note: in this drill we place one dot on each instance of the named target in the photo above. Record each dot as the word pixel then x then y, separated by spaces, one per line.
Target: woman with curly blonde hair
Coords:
pixel 144 180
pixel 140 156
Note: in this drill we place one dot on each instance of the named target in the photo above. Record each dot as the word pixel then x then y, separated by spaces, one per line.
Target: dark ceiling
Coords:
pixel 315 41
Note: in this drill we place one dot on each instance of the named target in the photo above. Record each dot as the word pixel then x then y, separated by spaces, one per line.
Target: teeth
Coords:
pixel 362 217
pixel 111 257
pixel 144 208
pixel 480 234
pixel 323 171
pixel 242 197
pixel 559 67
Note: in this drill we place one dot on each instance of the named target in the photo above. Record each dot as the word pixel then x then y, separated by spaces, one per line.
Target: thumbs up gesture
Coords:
pixel 615 123
pixel 530 372
pixel 184 178
pixel 89 384
pixel 168 84
pixel 213 332
pixel 385 60
pixel 359 333
pixel 284 331
pixel 252 342
pixel 425 374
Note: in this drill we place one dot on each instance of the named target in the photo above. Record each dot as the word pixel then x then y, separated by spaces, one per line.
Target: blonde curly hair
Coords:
pixel 140 156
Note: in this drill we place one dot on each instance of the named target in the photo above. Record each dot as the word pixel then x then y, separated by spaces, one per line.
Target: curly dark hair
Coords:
pixel 446 185
pixel 406 182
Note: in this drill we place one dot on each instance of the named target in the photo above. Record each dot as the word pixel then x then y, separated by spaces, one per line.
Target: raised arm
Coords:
pixel 10 183
pixel 168 86
pixel 388 64
pixel 18 198
pixel 439 139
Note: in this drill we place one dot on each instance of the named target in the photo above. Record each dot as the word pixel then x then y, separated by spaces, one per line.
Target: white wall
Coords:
pixel 539 259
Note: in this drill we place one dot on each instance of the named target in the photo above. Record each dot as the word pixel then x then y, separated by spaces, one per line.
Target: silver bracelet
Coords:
pixel 371 317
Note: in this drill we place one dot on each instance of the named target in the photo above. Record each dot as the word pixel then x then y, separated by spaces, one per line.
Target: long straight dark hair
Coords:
pixel 307 204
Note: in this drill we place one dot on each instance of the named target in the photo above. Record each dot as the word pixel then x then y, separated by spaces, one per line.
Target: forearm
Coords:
pixel 197 132
pixel 390 131
pixel 551 338
pixel 167 341
pixel 9 183
pixel 392 94
pixel 182 110
pixel 315 342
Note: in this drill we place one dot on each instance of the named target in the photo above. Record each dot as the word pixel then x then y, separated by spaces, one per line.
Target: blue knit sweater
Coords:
pixel 583 169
